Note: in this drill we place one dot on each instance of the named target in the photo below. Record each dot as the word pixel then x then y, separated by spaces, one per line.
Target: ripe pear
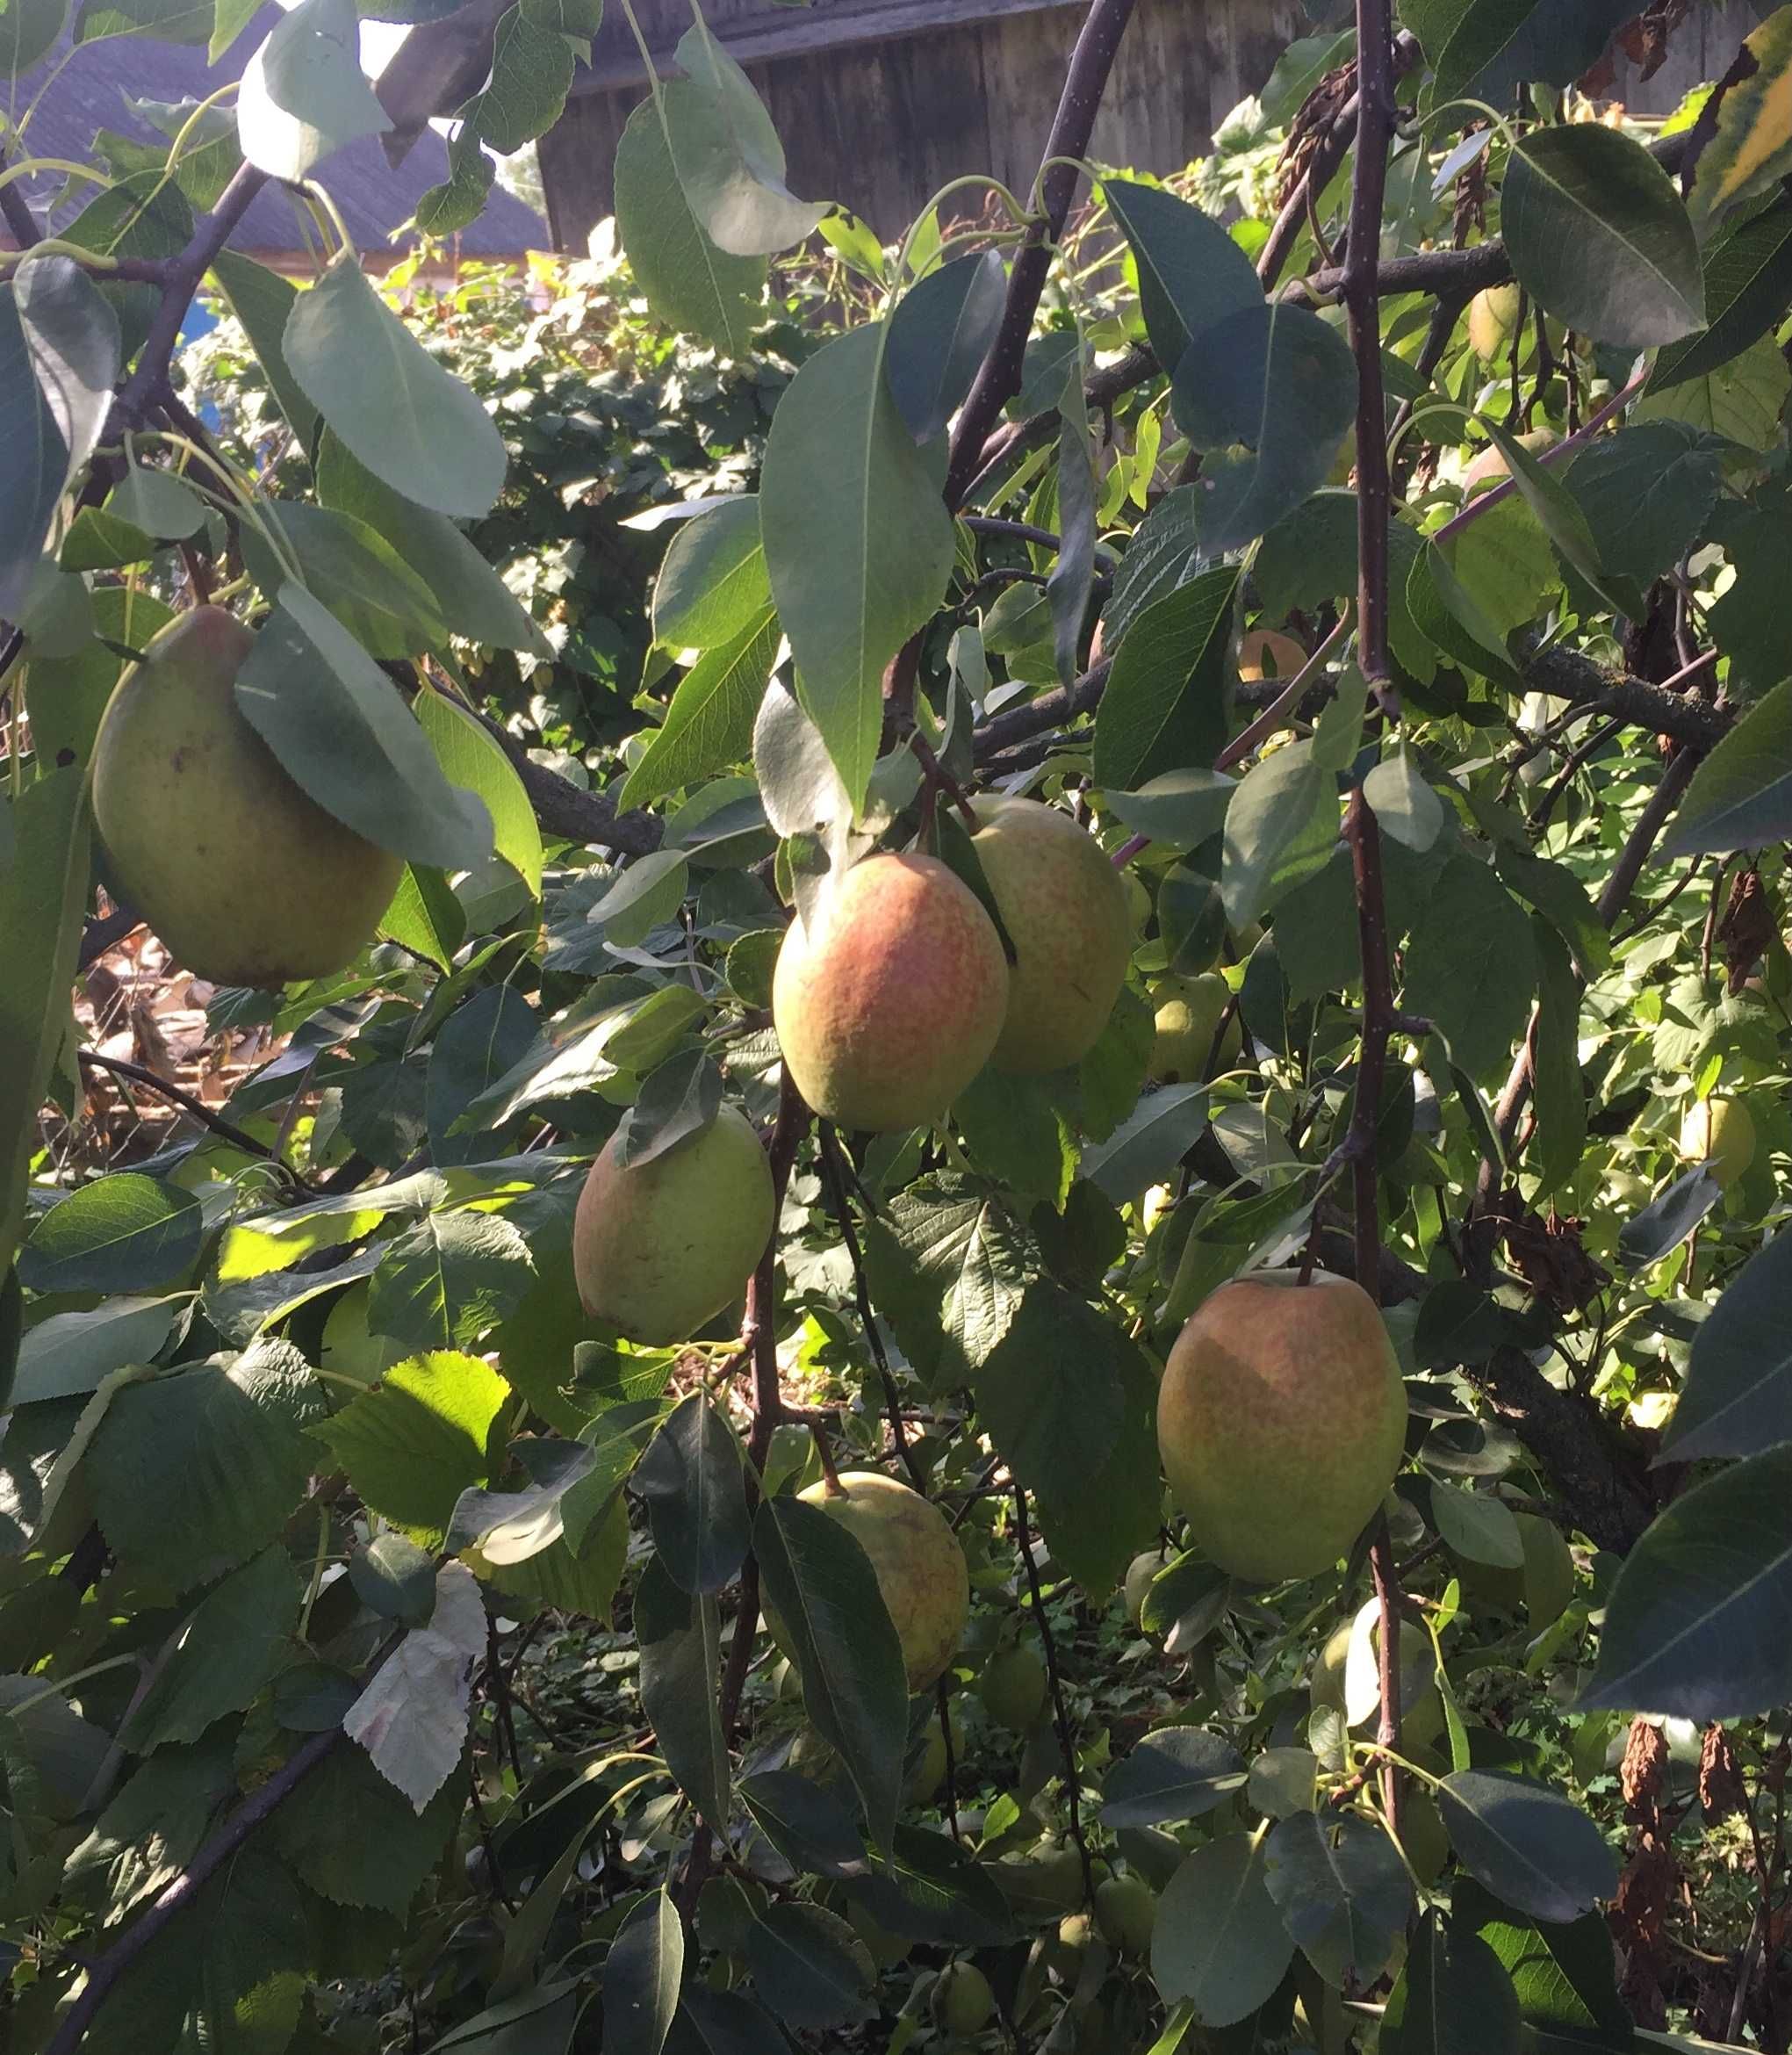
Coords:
pixel 661 1247
pixel 1125 1910
pixel 1492 315
pixel 962 2001
pixel 1187 1017
pixel 889 999
pixel 1282 1419
pixel 1489 468
pixel 919 1566
pixel 1013 1687
pixel 1065 909
pixel 1264 652
pixel 246 879
pixel 1719 1133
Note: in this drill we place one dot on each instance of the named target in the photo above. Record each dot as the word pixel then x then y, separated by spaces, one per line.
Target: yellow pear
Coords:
pixel 1493 315
pixel 889 1000
pixel 1064 907
pixel 1489 467
pixel 1282 1421
pixel 1718 1132
pixel 661 1247
pixel 1187 1018
pixel 919 1566
pixel 246 879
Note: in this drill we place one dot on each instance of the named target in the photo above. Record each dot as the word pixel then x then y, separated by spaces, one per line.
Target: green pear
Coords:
pixel 1125 1910
pixel 1282 1420
pixel 1013 1687
pixel 920 1567
pixel 1346 1677
pixel 1141 1572
pixel 889 997
pixel 661 1247
pixel 1065 909
pixel 1493 315
pixel 1187 1018
pixel 1719 1133
pixel 961 2002
pixel 1489 468
pixel 246 879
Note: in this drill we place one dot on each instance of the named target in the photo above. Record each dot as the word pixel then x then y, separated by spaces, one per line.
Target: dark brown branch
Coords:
pixel 568 811
pixel 1061 1715
pixel 258 1807
pixel 15 209
pixel 227 1130
pixel 1062 704
pixel 999 378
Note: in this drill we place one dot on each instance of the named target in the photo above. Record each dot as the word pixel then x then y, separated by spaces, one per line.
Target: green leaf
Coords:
pixel 412 1718
pixel 471 598
pixel 730 161
pixel 1749 146
pixel 680 1099
pixel 1342 1891
pixel 688 283
pixel 412 423
pixel 471 761
pixel 1682 1625
pixel 239 1638
pixel 1741 795
pixel 1561 1092
pixel 1599 238
pixel 145 215
pixel 493 1032
pixel 28 33
pixel 1191 274
pixel 1565 1976
pixel 370 590
pixel 1479 32
pixel 153 1825
pixel 680 1669
pixel 66 1355
pixel 1740 400
pixel 338 726
pixel 641 1978
pixel 1404 804
pixel 1477 1527
pixel 1165 552
pixel 357 1840
pixel 713 584
pixel 158 503
pixel 304 94
pixel 709 724
pixel 168 21
pixel 1052 1393
pixel 1219 1941
pixel 1737 1395
pixel 1280 829
pixel 1472 964
pixel 1016 1131
pixel 37 458
pixel 448 1279
pixel 1748 280
pixel 939 335
pixel 1165 703
pixel 1668 1218
pixel 821 1584
pixel 227 1442
pixel 1182 808
pixel 858 541
pixel 1177 1773
pixel 425 916
pixel 691 1478
pixel 948 1270
pixel 1448 616
pixel 808 1966
pixel 1269 392
pixel 533 64
pixel 1453 1997
pixel 1647 493
pixel 410 1447
pixel 1559 514
pixel 125 1233
pixel 1146 1147
pixel 262 300
pixel 1526 1843
pixel 395 1578
pixel 1072 579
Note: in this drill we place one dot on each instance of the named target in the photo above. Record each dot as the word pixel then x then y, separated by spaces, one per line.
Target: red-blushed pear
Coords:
pixel 1065 908
pixel 1282 1420
pixel 660 1248
pixel 246 879
pixel 919 1566
pixel 887 1001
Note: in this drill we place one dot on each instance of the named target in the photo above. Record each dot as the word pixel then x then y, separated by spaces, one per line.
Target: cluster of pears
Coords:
pixel 1282 1421
pixel 246 879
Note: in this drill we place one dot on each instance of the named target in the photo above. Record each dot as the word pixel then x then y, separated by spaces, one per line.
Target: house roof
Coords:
pixel 89 94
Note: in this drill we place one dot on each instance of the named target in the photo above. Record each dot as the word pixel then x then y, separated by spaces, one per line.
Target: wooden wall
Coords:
pixel 880 103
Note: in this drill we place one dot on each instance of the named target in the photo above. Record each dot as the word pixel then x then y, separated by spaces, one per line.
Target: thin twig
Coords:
pixel 1061 1716
pixel 226 1130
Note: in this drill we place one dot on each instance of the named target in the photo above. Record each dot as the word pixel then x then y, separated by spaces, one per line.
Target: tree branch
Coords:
pixel 227 1130
pixel 1061 1714
pixel 567 810
pixel 999 378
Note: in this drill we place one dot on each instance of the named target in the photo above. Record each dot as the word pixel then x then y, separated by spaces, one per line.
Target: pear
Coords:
pixel 1187 1018
pixel 1493 315
pixel 1125 1910
pixel 919 1566
pixel 1140 1573
pixel 1066 910
pixel 962 2001
pixel 1490 467
pixel 1013 1687
pixel 1719 1133
pixel 660 1248
pixel 246 879
pixel 888 1000
pixel 1282 1419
